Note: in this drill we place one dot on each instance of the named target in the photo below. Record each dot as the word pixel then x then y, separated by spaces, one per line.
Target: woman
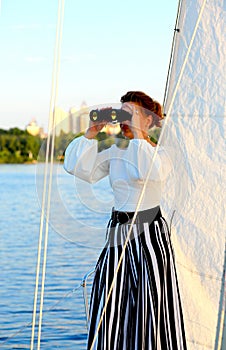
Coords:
pixel 141 310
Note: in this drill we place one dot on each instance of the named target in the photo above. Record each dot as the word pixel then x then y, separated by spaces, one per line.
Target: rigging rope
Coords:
pixel 47 186
pixel 176 30
pixel 149 172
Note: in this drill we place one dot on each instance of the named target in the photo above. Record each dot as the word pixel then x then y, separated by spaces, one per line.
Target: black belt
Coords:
pixel 123 217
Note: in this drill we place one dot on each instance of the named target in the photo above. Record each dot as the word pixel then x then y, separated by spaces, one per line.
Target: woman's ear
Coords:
pixel 149 120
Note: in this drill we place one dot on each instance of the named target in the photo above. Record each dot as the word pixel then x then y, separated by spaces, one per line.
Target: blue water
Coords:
pixel 78 217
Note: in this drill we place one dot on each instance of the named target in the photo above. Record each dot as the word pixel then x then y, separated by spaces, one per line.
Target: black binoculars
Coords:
pixel 110 115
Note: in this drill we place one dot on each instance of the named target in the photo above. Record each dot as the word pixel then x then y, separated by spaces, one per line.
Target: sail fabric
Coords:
pixel 195 137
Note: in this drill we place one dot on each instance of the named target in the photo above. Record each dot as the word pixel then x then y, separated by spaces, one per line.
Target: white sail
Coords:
pixel 195 136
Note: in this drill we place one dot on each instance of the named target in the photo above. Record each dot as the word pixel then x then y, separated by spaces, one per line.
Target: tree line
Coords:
pixel 18 146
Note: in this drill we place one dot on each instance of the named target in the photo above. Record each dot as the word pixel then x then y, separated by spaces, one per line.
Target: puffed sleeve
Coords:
pixel 83 160
pixel 140 158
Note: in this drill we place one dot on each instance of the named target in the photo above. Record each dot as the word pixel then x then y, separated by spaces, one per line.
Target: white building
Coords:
pixel 79 119
pixel 34 129
pixel 61 119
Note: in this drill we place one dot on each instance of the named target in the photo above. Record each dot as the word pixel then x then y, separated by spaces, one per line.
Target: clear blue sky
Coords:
pixel 108 48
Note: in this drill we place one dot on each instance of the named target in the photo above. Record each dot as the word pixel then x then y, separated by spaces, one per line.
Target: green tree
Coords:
pixel 17 146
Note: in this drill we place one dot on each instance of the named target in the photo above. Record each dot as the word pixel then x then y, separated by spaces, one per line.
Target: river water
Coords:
pixel 76 230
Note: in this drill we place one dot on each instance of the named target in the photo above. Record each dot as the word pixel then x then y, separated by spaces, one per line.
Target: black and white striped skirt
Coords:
pixel 144 308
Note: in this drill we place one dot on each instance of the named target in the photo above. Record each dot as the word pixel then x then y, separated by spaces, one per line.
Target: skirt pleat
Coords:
pixel 144 309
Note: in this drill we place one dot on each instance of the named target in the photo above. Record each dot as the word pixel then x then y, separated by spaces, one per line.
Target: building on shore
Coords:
pixel 78 119
pixel 34 129
pixel 61 121
pixel 75 121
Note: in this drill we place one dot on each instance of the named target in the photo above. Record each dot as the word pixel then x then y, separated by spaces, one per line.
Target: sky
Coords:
pixel 108 48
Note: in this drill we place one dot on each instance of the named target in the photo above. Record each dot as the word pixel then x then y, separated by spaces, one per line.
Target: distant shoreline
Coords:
pixel 20 147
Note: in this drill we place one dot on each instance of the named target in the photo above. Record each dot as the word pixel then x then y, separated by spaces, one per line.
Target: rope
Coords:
pixel 220 332
pixel 176 30
pixel 148 175
pixel 53 100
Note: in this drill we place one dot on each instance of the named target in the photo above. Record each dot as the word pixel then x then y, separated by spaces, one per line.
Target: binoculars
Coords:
pixel 110 115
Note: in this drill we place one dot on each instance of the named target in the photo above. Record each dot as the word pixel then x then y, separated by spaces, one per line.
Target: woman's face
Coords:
pixel 125 125
pixel 141 120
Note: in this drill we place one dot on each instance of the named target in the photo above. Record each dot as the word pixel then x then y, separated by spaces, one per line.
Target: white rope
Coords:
pixel 52 116
pixel 148 175
pixel 51 130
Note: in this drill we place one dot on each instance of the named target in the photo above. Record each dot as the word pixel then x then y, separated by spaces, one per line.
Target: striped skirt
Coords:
pixel 143 310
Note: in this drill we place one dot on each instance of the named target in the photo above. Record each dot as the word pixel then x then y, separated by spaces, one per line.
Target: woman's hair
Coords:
pixel 147 103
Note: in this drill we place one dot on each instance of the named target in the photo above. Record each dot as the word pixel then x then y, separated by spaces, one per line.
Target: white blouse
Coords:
pixel 127 170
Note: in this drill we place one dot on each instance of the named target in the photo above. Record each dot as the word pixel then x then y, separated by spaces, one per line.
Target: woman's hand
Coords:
pixel 94 128
pixel 135 125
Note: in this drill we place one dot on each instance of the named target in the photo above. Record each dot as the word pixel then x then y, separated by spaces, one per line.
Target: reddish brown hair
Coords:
pixel 150 106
